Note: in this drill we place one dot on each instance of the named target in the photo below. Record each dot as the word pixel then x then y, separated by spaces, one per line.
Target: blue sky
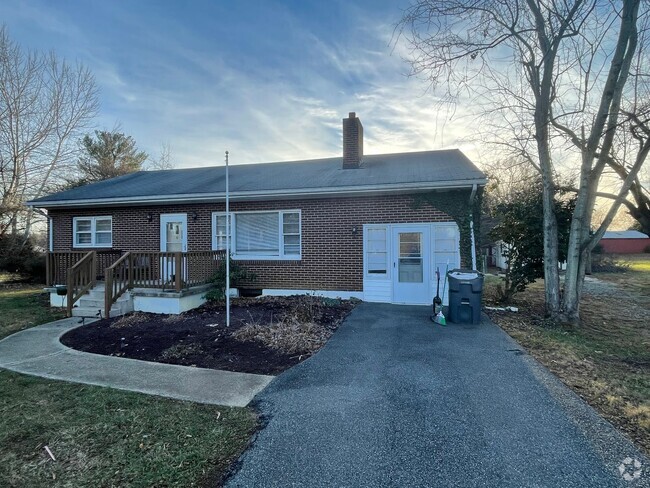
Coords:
pixel 267 80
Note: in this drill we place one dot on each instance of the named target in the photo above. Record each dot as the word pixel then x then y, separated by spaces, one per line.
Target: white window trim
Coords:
pixel 93 231
pixel 377 276
pixel 214 229
pixel 248 257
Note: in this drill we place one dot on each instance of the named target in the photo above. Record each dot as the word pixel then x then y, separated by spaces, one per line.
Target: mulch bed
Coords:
pixel 200 337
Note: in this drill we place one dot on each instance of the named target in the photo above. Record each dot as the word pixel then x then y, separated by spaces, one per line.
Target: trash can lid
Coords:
pixel 464 275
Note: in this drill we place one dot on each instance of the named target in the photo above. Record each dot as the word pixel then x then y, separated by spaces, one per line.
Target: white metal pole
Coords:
pixel 227 246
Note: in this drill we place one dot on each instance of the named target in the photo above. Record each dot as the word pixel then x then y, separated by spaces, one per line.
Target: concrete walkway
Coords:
pixel 394 401
pixel 38 351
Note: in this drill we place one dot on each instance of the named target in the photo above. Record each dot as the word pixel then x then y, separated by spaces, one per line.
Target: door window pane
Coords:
pixel 174 237
pixel 410 244
pixel 410 257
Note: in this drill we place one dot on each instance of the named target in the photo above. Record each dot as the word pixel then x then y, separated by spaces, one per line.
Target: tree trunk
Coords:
pixel 551 272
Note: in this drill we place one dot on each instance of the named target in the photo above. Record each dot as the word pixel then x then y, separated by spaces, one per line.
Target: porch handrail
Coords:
pixel 80 279
pixel 174 270
pixel 57 263
pixel 119 279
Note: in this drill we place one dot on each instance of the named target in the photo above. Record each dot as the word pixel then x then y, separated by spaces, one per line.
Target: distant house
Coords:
pixel 624 242
pixel 338 227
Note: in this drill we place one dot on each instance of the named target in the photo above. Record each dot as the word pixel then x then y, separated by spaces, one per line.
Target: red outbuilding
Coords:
pixel 625 242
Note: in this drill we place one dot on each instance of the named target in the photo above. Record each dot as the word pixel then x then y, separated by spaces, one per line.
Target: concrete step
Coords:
pixel 92 303
pixel 97 300
pixel 86 312
pixel 117 309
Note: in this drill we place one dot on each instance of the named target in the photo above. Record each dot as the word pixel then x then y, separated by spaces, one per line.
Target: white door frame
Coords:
pixel 412 293
pixel 164 219
pixel 167 264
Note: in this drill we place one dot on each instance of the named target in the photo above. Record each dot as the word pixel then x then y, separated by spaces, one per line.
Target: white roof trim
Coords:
pixel 262 195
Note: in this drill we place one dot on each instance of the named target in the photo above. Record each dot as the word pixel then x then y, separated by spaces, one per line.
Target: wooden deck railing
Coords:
pixel 80 279
pixel 161 270
pixel 177 271
pixel 58 263
pixel 173 270
pixel 118 280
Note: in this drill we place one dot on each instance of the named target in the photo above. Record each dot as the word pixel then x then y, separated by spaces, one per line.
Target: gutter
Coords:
pixel 260 195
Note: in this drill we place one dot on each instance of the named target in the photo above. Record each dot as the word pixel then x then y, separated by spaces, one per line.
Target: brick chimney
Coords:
pixel 352 142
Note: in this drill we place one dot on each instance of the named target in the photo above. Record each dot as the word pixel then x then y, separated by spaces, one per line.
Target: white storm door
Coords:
pixel 173 238
pixel 411 266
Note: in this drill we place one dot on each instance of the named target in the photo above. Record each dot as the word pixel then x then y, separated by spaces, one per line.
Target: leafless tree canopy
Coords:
pixel 164 161
pixel 44 104
pixel 558 83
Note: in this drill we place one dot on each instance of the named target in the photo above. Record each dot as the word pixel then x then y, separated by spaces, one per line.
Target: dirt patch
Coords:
pixel 605 360
pixel 266 335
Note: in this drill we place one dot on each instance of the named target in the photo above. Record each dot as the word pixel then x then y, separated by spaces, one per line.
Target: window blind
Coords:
pixel 257 233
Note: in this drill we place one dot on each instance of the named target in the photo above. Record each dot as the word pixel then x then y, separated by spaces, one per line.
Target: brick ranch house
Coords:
pixel 373 227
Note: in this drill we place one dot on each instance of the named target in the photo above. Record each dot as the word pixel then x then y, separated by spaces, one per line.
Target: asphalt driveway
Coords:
pixel 394 400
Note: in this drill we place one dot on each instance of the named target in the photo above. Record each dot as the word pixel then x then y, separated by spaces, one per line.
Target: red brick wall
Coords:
pixel 624 246
pixel 332 256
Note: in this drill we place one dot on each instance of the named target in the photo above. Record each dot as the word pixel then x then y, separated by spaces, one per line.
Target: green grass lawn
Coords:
pixel 637 276
pixel 606 359
pixel 23 307
pixel 102 437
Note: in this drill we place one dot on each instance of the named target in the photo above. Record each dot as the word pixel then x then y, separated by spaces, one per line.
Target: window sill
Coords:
pixel 236 257
pixel 91 246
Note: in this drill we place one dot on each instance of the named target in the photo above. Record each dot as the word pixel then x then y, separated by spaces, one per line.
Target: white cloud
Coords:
pixel 191 89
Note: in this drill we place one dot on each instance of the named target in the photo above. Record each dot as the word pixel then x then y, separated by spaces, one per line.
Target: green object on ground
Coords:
pixel 440 319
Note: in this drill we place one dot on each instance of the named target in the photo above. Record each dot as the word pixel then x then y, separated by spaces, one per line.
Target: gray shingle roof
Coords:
pixel 379 173
pixel 624 234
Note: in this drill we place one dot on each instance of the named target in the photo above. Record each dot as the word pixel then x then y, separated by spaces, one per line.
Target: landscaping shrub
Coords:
pixel 303 329
pixel 22 259
pixel 289 336
pixel 238 274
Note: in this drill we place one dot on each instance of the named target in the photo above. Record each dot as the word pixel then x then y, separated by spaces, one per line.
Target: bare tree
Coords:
pixel 551 78
pixel 44 103
pixel 631 147
pixel 163 161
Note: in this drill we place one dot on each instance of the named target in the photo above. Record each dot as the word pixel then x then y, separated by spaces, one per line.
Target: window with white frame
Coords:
pixel 377 251
pixel 259 235
pixel 92 231
pixel 219 236
pixel 445 245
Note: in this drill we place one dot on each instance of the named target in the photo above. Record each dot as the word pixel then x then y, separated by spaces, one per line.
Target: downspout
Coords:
pixel 471 224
